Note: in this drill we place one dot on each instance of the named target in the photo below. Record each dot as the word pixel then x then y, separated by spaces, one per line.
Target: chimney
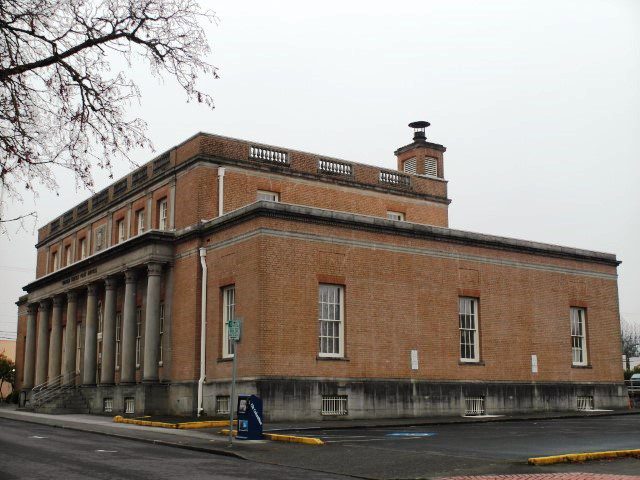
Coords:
pixel 421 157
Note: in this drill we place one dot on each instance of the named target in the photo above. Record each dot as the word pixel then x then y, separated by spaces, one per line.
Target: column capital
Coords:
pixel 154 268
pixel 58 300
pixel 32 309
pixel 44 305
pixel 92 289
pixel 110 283
pixel 72 296
pixel 130 276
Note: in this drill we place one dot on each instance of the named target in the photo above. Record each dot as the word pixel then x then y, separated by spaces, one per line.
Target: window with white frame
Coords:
pixel 162 214
pixel 469 338
pixel 331 320
pixel 268 196
pixel 67 255
pixel 121 230
pixel 118 338
pixel 138 336
pixel 431 166
pixel 398 216
pixel 107 405
pixel 222 404
pixel 129 405
pixel 578 335
pixel 161 336
pixel 54 261
pixel 228 313
pixel 140 221
pixel 83 248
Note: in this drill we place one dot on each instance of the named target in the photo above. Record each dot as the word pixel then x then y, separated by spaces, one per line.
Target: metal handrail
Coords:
pixel 632 387
pixel 51 389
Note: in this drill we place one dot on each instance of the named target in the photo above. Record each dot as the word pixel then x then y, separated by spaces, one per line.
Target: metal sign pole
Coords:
pixel 233 391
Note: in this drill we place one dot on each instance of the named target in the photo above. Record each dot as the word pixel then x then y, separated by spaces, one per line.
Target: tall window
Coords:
pixel 161 334
pixel 140 221
pixel 138 336
pixel 162 214
pixel 118 338
pixel 54 261
pixel 121 231
pixel 578 335
pixel 83 248
pixel 331 319
pixel 67 255
pixel 269 196
pixel 469 340
pixel 228 313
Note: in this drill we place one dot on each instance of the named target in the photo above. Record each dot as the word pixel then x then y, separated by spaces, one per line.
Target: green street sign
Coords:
pixel 235 326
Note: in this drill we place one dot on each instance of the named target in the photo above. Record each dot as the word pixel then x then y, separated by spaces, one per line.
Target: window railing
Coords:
pixel 269 155
pixel 474 406
pixel 585 403
pixel 222 404
pixel 394 178
pixel 129 405
pixel 334 167
pixel 335 405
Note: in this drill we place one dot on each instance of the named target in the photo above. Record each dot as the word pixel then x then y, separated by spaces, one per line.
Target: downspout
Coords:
pixel 203 327
pixel 220 191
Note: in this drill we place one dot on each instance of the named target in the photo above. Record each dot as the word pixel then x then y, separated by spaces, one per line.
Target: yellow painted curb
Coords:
pixel 182 426
pixel 583 457
pixel 282 438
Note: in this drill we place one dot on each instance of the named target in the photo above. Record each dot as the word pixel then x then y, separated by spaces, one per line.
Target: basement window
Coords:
pixel 585 403
pixel 107 405
pixel 222 404
pixel 335 405
pixel 474 406
pixel 129 405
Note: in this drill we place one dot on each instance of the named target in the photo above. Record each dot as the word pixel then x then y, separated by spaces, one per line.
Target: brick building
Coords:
pixel 357 299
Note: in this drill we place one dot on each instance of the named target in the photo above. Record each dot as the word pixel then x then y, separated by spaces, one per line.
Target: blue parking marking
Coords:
pixel 411 434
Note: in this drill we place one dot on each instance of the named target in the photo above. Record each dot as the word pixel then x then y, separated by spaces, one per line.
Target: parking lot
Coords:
pixel 477 448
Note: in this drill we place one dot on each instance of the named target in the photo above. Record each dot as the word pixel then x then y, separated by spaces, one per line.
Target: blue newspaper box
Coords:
pixel 249 417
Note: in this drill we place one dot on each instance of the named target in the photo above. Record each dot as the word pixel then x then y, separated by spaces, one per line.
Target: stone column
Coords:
pixel 152 324
pixel 71 341
pixel 128 368
pixel 90 339
pixel 42 353
pixel 108 369
pixel 55 341
pixel 30 348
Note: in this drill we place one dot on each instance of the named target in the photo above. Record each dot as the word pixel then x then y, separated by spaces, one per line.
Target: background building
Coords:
pixel 356 298
pixel 8 348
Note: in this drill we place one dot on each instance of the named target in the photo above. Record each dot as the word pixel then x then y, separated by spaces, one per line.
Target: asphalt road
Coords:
pixel 460 449
pixel 29 451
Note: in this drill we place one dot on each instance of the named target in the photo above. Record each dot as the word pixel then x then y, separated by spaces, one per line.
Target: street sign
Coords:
pixel 235 326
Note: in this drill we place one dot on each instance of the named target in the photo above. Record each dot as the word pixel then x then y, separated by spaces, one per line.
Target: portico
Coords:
pixel 73 317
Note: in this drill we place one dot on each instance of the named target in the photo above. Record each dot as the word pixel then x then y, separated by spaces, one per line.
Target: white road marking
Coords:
pixel 36 436
pixel 107 451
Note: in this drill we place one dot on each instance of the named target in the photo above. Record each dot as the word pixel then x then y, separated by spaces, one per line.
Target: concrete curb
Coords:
pixel 179 426
pixel 214 451
pixel 583 457
pixel 282 438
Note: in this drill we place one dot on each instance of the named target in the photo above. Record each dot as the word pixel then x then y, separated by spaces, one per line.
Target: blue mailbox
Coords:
pixel 249 417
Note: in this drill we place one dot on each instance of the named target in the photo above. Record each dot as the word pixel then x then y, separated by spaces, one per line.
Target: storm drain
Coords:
pixel 474 406
pixel 334 405
pixel 585 403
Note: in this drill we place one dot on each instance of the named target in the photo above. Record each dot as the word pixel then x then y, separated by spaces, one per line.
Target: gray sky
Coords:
pixel 537 102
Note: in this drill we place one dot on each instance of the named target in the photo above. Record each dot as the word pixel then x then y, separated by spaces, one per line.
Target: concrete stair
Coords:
pixel 69 401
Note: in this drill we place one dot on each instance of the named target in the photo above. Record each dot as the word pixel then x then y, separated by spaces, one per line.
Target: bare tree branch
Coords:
pixel 60 103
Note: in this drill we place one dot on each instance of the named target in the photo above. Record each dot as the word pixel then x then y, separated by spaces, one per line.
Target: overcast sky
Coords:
pixel 537 102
